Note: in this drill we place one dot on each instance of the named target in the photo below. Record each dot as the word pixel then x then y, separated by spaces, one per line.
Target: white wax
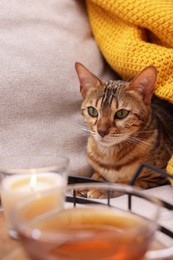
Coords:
pixel 21 183
pixel 16 187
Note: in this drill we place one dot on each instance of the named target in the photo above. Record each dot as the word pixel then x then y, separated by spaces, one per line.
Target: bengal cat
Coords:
pixel 128 125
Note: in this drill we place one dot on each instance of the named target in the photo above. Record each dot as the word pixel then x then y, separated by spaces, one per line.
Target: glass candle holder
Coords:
pixel 24 175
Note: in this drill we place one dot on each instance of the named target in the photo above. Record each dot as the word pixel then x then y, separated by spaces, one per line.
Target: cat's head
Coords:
pixel 116 110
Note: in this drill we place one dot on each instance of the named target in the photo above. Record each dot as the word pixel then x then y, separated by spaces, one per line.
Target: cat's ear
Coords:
pixel 144 83
pixel 86 78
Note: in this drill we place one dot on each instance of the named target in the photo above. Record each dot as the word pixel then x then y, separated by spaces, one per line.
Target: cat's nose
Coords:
pixel 103 126
pixel 102 133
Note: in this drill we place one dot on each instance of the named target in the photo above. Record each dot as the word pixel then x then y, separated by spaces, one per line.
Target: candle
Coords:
pixel 15 188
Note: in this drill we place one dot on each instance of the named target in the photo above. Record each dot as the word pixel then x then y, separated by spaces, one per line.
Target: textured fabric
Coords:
pixel 39 90
pixel 170 168
pixel 133 34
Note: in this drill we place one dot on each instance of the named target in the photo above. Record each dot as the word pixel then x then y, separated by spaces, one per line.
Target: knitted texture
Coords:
pixel 133 34
pixel 170 168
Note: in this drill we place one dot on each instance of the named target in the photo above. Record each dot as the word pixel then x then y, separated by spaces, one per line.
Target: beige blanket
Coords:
pixel 39 91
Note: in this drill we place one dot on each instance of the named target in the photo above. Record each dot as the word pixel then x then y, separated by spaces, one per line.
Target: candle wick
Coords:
pixel 33 182
pixel 32 188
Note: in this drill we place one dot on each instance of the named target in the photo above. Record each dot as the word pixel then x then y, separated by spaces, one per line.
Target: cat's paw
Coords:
pixel 82 193
pixel 96 194
pixel 97 176
pixel 102 194
pixel 92 194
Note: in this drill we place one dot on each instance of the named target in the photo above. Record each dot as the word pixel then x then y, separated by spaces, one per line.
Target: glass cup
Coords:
pixel 25 175
pixel 119 228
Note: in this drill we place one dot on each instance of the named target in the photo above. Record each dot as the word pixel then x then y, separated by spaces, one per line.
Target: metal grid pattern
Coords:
pixel 79 200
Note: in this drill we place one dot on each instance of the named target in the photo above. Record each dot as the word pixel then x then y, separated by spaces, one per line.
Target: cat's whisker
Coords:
pixel 131 139
pixel 86 130
pixel 133 142
pixel 93 133
pixel 134 139
pixel 116 135
pixel 84 134
pixel 138 140
pixel 78 125
pixel 128 80
pixel 82 129
pixel 129 142
pixel 146 131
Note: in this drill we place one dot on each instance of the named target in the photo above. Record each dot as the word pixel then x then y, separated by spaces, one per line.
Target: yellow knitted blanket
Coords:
pixel 133 34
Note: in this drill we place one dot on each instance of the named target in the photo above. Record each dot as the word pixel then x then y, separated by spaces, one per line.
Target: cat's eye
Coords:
pixel 92 111
pixel 122 113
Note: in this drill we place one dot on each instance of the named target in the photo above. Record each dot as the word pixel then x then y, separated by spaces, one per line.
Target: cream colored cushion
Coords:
pixel 39 91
